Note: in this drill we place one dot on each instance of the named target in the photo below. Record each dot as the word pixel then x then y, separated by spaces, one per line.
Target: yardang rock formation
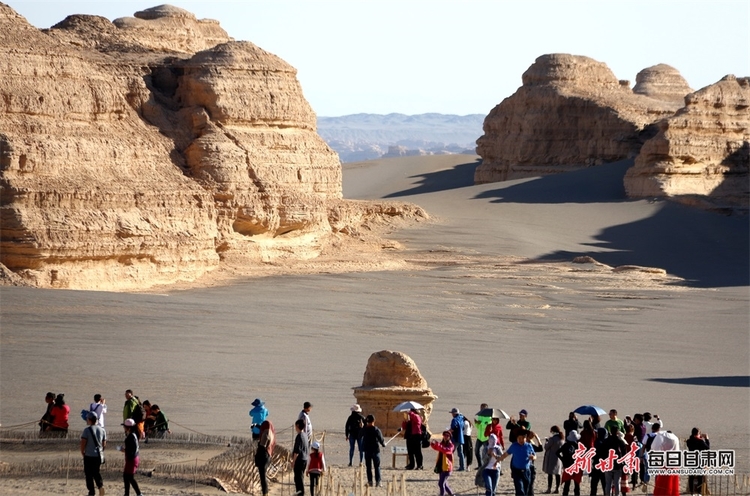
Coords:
pixel 146 150
pixel 572 112
pixel 701 155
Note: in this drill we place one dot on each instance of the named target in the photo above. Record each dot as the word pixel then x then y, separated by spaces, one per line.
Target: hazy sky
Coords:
pixel 459 56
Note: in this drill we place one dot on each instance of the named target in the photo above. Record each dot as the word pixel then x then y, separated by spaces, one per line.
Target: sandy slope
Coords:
pixel 481 305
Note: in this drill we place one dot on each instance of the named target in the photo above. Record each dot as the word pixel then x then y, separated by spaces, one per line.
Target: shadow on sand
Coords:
pixel 721 381
pixel 459 176
pixel 705 248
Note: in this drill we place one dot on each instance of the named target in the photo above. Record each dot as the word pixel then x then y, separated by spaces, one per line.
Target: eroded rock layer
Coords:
pixel 571 112
pixel 141 152
pixel 702 153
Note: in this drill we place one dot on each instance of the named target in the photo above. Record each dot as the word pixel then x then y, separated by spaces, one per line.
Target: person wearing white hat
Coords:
pixel 565 454
pixel 353 431
pixel 315 466
pixel 132 460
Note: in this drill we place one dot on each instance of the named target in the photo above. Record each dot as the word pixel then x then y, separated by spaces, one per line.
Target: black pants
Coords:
pixel 597 478
pixel 576 489
pixel 549 482
pixel 469 451
pixel 695 483
pixel 91 467
pixel 313 482
pixel 129 480
pixel 261 461
pixel 372 460
pixel 299 472
pixel 414 449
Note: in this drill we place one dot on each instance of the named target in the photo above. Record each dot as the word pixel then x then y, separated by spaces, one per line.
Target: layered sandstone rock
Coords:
pixel 142 152
pixel 571 112
pixel 702 153
pixel 391 377
pixel 662 82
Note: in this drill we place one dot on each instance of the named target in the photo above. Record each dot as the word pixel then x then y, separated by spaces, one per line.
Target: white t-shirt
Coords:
pixel 467 428
pixel 99 409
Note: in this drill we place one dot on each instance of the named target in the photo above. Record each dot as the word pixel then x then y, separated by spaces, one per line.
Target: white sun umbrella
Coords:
pixel 408 405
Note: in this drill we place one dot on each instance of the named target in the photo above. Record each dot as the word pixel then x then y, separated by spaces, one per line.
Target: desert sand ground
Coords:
pixel 485 300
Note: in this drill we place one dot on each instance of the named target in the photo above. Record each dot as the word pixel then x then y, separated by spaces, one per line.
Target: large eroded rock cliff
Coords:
pixel 572 112
pixel 702 153
pixel 146 150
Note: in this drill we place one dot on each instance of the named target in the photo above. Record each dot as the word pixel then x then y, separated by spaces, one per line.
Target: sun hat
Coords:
pixel 257 402
pixel 356 408
pixel 315 445
pixel 129 423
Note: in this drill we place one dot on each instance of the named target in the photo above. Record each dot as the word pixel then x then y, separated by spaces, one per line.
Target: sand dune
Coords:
pixel 483 307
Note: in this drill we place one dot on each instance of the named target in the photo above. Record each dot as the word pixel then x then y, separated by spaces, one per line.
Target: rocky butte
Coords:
pixel 572 112
pixel 151 149
pixel 700 155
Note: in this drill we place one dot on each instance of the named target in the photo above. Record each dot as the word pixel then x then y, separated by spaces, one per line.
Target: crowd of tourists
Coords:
pixel 611 445
pixel 140 421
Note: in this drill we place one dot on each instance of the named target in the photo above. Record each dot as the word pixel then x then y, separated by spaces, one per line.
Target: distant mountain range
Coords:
pixel 368 136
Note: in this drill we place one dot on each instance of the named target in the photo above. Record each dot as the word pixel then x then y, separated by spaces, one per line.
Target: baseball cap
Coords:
pixel 315 445
pixel 523 412
pixel 454 410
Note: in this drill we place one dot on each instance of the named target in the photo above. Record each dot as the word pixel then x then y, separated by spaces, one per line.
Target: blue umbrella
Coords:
pixel 590 410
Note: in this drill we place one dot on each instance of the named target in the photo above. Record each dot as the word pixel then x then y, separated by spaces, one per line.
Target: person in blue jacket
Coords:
pixel 457 437
pixel 259 413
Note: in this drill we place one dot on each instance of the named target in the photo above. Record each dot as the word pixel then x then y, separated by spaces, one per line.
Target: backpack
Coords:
pixel 650 441
pixel 139 413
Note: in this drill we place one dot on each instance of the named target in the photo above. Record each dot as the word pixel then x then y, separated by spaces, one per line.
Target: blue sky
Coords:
pixel 455 57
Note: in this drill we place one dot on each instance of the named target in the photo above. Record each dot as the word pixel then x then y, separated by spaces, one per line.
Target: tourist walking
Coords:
pixel 412 428
pixel 565 455
pixel 551 464
pixel 258 414
pixel 597 476
pixel 444 462
pixel 523 454
pixel 300 455
pixel 480 425
pixel 468 445
pixel 457 437
pixel 316 466
pixel 491 470
pixel 305 415
pixel 536 443
pixel 264 452
pixel 666 485
pixel 615 441
pixel 698 441
pixel 93 442
pixel 353 432
pixel 132 458
pixel 372 440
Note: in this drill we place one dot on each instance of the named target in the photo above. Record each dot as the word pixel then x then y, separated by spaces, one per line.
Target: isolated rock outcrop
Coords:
pixel 571 112
pixel 147 150
pixel 662 82
pixel 391 377
pixel 701 155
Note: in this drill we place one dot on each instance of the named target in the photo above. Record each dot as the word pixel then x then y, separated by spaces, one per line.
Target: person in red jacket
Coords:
pixel 413 434
pixel 60 414
pixel 316 466
pixel 495 428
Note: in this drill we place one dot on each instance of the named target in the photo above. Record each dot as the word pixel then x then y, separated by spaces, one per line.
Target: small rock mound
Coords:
pixel 662 82
pixel 391 377
pixel 162 11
